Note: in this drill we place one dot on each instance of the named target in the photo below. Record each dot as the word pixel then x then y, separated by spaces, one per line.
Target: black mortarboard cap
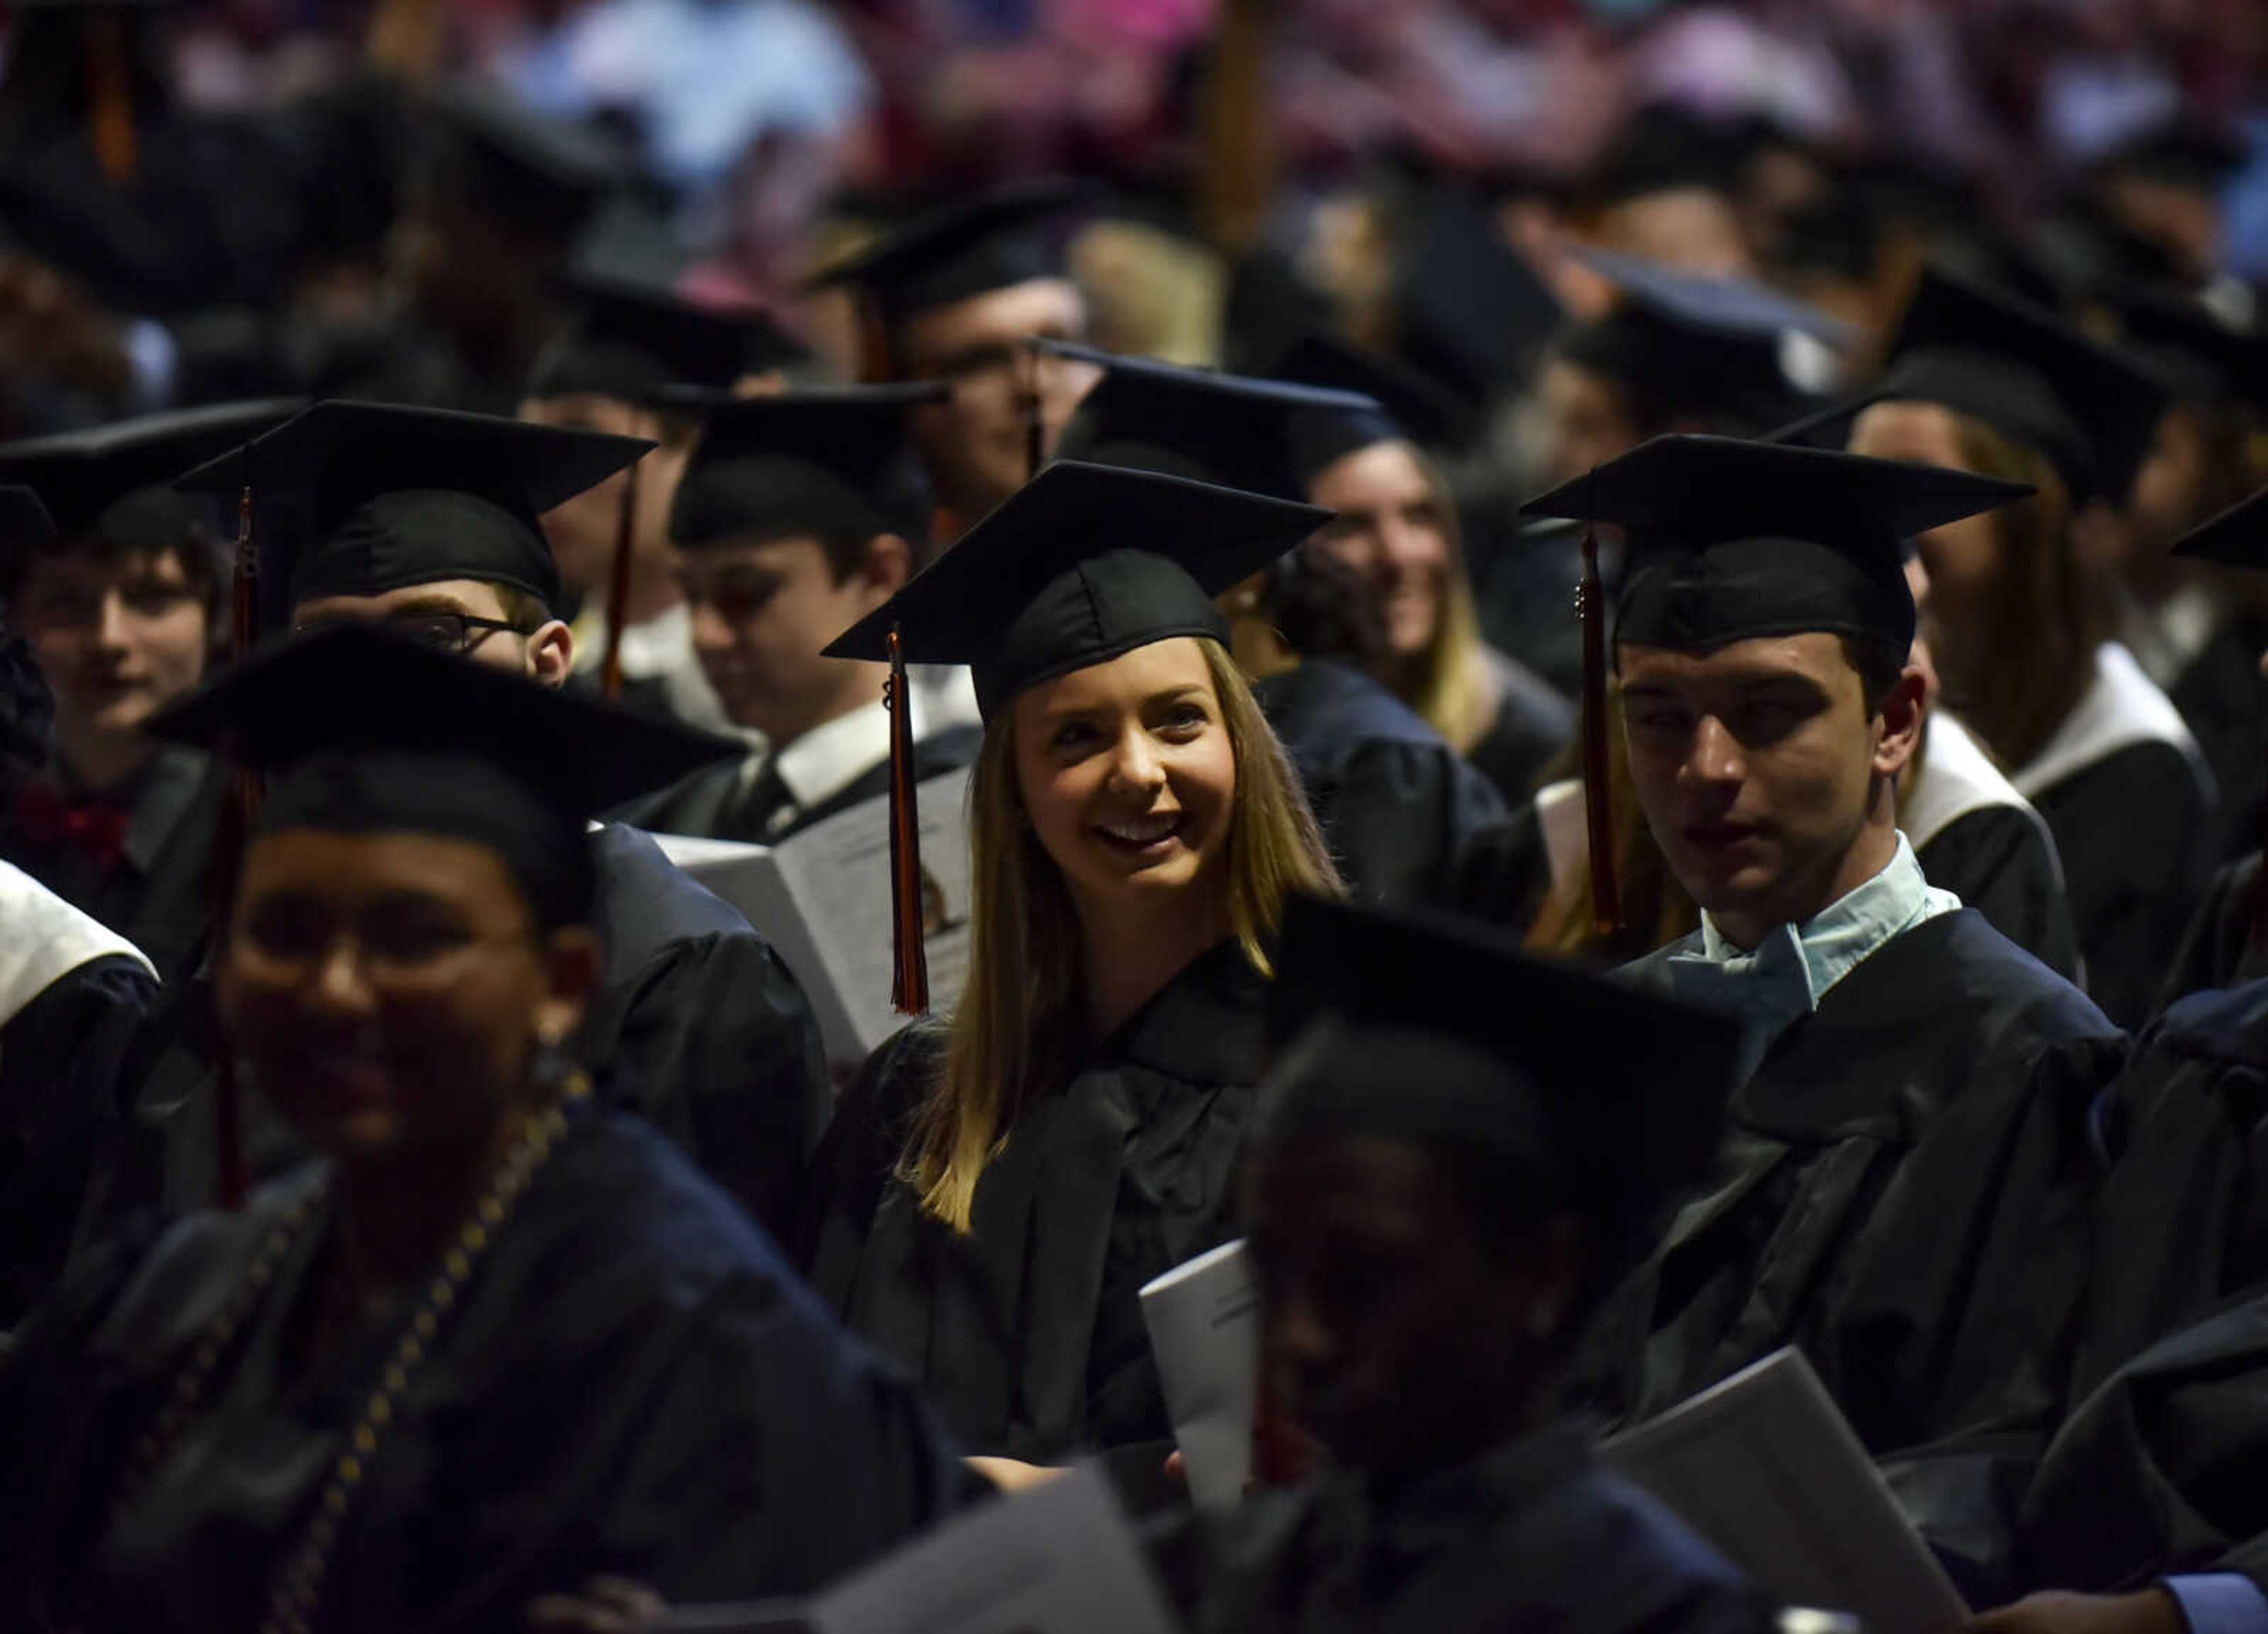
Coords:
pixel 546 173
pixel 2200 356
pixel 1414 407
pixel 1713 348
pixel 1732 540
pixel 83 476
pixel 1617 1092
pixel 2238 537
pixel 834 461
pixel 1233 429
pixel 2183 152
pixel 1662 148
pixel 24 524
pixel 362 732
pixel 1006 235
pixel 1467 309
pixel 1082 563
pixel 2090 410
pixel 628 341
pixel 397 496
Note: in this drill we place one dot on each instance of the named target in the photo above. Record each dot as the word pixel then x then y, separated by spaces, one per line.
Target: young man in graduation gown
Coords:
pixel 73 994
pixel 120 608
pixel 798 515
pixel 957 295
pixel 1397 804
pixel 424 522
pixel 1459 1151
pixel 607 372
pixel 1898 1189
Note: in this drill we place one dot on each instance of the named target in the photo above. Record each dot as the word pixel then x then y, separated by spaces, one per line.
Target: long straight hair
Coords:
pixel 1020 1027
pixel 2043 613
pixel 1450 684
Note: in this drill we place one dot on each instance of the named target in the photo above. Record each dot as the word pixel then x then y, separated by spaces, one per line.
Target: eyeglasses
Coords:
pixel 460 633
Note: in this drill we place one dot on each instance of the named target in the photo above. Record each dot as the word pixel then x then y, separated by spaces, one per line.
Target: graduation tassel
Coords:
pixel 110 73
pixel 1598 792
pixel 909 957
pixel 241 810
pixel 618 587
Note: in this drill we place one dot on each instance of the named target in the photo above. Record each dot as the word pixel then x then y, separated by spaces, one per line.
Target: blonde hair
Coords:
pixel 1020 1029
pixel 1451 684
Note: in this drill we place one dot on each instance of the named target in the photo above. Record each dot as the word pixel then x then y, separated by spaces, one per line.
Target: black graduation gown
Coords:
pixel 719 804
pixel 1535 1535
pixel 698 1025
pixel 2158 1473
pixel 1999 861
pixel 1027 1332
pixel 1532 724
pixel 1901 1191
pixel 159 895
pixel 2220 949
pixel 632 1382
pixel 61 1056
pixel 1398 807
pixel 2224 699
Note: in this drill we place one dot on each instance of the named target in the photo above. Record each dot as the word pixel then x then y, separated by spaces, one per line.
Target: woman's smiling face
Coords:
pixel 1127 773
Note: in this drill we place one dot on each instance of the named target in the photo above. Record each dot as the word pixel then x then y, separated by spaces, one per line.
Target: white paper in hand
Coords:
pixel 1203 1318
pixel 1765 1466
pixel 821 898
pixel 1058 1559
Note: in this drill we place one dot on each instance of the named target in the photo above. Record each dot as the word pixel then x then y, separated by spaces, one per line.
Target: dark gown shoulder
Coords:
pixel 1902 1191
pixel 2000 860
pixel 1568 1548
pixel 2220 948
pixel 61 1059
pixel 1026 1330
pixel 1399 808
pixel 2223 698
pixel 2137 834
pixel 702 1028
pixel 1532 724
pixel 723 1440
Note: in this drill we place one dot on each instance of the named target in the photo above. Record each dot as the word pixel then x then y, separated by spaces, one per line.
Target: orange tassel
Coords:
pixel 909 956
pixel 1598 793
pixel 117 146
pixel 618 587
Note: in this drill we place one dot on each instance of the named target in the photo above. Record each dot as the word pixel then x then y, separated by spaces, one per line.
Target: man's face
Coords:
pixel 1588 422
pixel 118 640
pixel 977 444
pixel 461 615
pixel 1395 1329
pixel 761 615
pixel 1755 766
pixel 582 532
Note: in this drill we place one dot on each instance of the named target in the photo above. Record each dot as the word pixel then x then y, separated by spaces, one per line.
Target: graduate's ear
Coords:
pixel 573 964
pixel 551 654
pixel 1903 709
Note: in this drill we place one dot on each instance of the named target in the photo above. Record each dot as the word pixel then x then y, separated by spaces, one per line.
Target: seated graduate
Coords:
pixel 1397 806
pixel 1901 1190
pixel 1982 382
pixel 120 606
pixel 1459 1152
pixel 72 992
pixel 607 370
pixel 2224 945
pixel 425 522
pixel 997 1186
pixel 494 1338
pixel 799 514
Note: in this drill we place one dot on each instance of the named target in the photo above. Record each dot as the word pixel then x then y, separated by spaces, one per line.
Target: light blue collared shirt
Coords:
pixel 1784 977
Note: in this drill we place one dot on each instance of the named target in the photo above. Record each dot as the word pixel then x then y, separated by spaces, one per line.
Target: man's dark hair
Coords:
pixel 194 547
pixel 1879 665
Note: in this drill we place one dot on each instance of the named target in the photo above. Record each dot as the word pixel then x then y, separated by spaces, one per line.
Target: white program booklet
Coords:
pixel 822 898
pixel 1765 1466
pixel 1058 1559
pixel 1203 1318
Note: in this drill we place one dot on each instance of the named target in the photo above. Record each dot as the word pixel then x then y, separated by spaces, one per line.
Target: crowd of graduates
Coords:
pixel 1618 760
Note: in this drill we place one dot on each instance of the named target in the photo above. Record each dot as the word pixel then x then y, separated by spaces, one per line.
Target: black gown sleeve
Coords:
pixel 2136 832
pixel 61 1060
pixel 1399 816
pixel 1995 860
pixel 2217 950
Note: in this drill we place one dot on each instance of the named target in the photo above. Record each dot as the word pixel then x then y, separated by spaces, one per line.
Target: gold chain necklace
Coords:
pixel 295 1591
